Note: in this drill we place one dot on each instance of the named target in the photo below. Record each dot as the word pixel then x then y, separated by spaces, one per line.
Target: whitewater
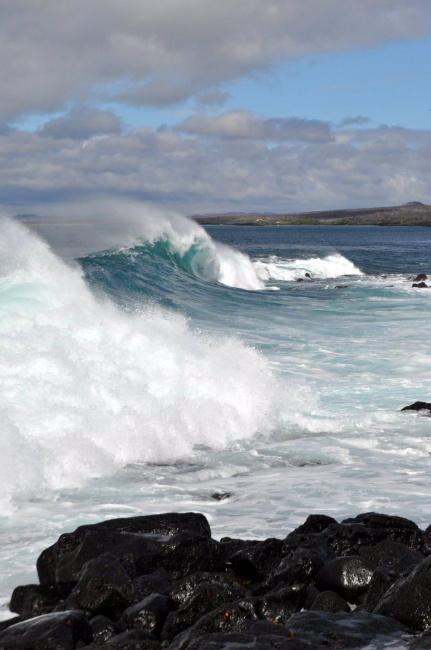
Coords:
pixel 252 374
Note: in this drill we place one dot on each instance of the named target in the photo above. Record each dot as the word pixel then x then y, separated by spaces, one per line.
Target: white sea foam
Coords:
pixel 331 266
pixel 88 388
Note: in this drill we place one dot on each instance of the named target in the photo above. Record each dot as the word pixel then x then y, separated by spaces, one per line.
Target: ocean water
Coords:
pixel 255 374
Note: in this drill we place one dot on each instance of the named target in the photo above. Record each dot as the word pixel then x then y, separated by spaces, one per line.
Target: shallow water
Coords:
pixel 153 375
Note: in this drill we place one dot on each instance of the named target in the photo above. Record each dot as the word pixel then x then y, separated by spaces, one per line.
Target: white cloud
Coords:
pixel 363 167
pixel 238 125
pixel 151 53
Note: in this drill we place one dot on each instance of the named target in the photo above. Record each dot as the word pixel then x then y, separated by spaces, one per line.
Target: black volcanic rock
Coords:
pixel 58 631
pixel 418 406
pixel 409 599
pixel 348 576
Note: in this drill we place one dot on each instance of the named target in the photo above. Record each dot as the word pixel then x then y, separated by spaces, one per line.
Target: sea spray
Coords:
pixel 88 388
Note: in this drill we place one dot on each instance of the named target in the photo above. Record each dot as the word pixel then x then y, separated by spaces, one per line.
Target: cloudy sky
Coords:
pixel 214 105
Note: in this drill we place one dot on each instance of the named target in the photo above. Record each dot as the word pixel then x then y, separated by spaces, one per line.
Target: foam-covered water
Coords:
pixel 150 375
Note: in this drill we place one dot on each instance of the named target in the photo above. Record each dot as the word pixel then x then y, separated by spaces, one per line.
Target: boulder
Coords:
pixel 55 631
pixel 418 406
pixel 149 614
pixel 329 601
pixel 393 555
pixel 409 599
pixel 348 576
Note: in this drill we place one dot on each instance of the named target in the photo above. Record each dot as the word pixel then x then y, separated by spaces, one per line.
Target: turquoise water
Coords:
pixel 269 363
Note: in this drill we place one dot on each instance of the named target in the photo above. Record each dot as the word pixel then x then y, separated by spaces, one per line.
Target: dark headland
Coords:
pixel 413 213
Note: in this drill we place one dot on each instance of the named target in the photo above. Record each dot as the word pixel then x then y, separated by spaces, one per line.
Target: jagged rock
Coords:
pixel 150 614
pixel 203 599
pixel 160 581
pixel 130 640
pixel 102 628
pixel 329 601
pixel 302 565
pixel 383 578
pixel 418 406
pixel 369 529
pixel 409 599
pixel 104 588
pixel 160 526
pixel 232 545
pixel 256 562
pixel 393 555
pixel 420 277
pixel 348 576
pixel 59 631
pixel 33 600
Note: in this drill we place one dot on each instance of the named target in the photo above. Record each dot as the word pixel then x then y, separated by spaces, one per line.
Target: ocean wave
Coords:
pixel 88 388
pixel 282 270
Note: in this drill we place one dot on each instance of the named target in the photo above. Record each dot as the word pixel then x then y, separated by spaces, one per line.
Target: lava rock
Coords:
pixel 160 581
pixel 104 588
pixel 418 406
pixel 348 576
pixel 329 601
pixel 33 600
pixel 409 599
pixel 149 614
pixel 55 631
pixel 383 578
pixel 102 628
pixel 130 640
pixel 420 285
pixel 161 526
pixel 420 277
pixel 205 598
pixel 369 529
pixel 393 555
pixel 302 565
pixel 257 562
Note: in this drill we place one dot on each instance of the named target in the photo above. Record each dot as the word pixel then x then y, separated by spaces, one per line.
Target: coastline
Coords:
pixel 162 582
pixel 410 214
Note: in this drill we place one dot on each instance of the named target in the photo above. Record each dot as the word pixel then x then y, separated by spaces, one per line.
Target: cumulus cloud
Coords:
pixel 356 167
pixel 82 123
pixel 243 125
pixel 148 53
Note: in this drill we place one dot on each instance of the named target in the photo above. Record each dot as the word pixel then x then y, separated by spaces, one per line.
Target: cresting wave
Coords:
pixel 88 388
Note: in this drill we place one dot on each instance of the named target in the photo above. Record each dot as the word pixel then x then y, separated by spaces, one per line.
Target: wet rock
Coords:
pixel 348 576
pixel 383 578
pixel 166 525
pixel 232 545
pixel 420 285
pixel 33 600
pixel 130 640
pixel 104 588
pixel 64 631
pixel 369 529
pixel 186 587
pixel 329 601
pixel 102 628
pixel 393 555
pixel 418 406
pixel 205 597
pixel 257 562
pixel 302 565
pixel 221 496
pixel 149 614
pixel 307 275
pixel 223 619
pixel 409 599
pixel 420 277
pixel 160 581
pixel 273 637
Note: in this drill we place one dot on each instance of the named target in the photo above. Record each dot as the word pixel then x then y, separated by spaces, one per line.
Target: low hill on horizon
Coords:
pixel 413 213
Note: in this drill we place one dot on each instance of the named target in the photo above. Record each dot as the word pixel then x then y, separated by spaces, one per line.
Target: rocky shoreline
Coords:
pixel 161 582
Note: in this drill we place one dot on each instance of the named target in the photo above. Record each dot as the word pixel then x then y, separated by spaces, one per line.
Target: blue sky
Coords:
pixel 282 105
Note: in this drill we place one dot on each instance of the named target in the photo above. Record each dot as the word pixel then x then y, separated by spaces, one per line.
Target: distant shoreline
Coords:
pixel 410 214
